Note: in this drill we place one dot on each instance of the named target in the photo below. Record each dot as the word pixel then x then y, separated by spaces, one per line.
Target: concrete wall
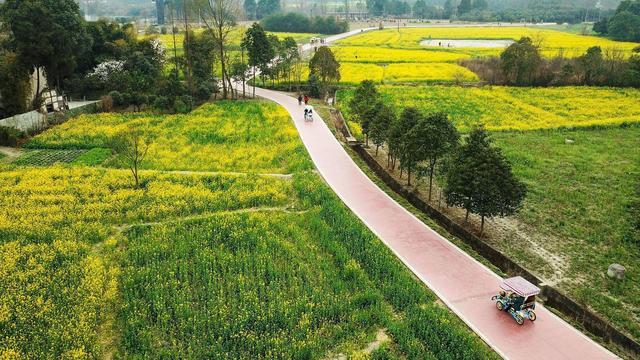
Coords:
pixel 34 121
pixel 27 122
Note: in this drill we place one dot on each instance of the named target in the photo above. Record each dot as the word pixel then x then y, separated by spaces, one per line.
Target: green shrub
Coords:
pixel 10 136
pixel 162 103
pixel 180 107
pixel 117 98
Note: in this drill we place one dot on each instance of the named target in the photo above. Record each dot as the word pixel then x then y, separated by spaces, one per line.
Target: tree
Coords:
pixel 601 27
pixel 250 9
pixel 132 145
pixel 267 7
pixel 439 138
pixel 464 7
pixel 408 149
pixel 519 61
pixel 376 7
pixel 420 9
pixel 592 64
pixel 480 5
pixel 325 67
pixel 201 54
pixel 47 35
pixel 449 9
pixel 15 85
pixel 363 105
pixel 289 56
pixel 481 181
pixel 143 67
pixel 624 26
pixel 381 123
pixel 219 16
pixel 259 50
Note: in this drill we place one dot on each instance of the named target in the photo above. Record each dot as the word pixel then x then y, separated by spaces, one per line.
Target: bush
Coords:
pixel 204 91
pixel 117 98
pixel 151 99
pixel 162 103
pixel 180 107
pixel 138 100
pixel 106 103
pixel 10 136
pixel 127 99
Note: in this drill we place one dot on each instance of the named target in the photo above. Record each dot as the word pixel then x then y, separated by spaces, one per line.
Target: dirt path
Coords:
pixel 286 208
pixel 10 152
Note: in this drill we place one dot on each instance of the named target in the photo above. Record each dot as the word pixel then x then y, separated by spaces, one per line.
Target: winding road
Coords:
pixel 460 281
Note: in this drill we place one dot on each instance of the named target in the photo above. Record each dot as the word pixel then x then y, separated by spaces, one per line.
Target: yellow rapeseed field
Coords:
pixel 222 136
pixel 367 54
pixel 515 108
pixel 355 72
pixel 551 41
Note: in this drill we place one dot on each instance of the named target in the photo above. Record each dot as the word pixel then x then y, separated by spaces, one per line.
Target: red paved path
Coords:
pixel 464 284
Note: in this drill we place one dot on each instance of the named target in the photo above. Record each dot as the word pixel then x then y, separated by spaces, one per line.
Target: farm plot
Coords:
pixel 580 202
pixel 361 52
pixel 226 136
pixel 511 108
pixel 201 264
pixel 551 41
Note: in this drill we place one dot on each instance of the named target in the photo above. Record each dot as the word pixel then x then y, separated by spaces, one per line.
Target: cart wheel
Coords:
pixel 532 315
pixel 519 320
pixel 499 305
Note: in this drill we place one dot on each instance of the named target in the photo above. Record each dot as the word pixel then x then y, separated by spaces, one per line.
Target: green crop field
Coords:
pixel 578 201
pixel 221 260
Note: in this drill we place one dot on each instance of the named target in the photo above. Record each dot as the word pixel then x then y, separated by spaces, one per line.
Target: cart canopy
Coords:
pixel 520 286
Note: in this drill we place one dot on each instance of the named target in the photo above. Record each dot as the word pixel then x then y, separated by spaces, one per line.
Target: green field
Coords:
pixel 578 201
pixel 221 261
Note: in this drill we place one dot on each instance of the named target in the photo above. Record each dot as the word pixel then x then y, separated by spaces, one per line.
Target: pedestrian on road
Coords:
pixel 300 99
pixel 306 99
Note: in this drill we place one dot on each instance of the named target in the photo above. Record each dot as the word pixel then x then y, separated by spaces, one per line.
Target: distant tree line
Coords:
pixel 474 174
pixel 624 25
pixel 256 10
pixel 522 64
pixel 296 22
pixel 486 10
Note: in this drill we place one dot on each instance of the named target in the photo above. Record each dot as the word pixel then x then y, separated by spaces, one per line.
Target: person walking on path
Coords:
pixel 300 99
pixel 306 99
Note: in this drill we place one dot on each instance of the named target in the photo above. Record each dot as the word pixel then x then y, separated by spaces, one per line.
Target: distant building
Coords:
pixel 160 11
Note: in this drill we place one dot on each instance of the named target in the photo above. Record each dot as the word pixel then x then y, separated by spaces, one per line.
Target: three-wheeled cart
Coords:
pixel 518 298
